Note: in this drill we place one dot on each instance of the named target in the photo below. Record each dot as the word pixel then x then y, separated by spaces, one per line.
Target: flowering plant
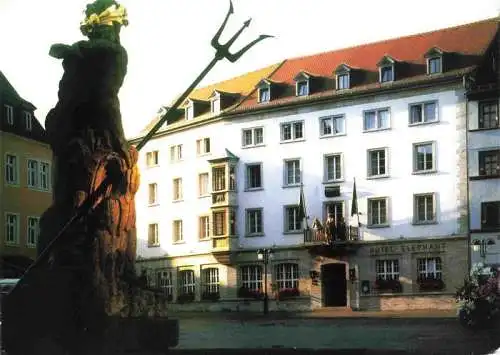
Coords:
pixel 287 293
pixel 478 298
pixel 388 285
pixel 244 292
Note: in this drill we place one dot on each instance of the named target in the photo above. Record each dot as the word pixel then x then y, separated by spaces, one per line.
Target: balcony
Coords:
pixel 221 248
pixel 321 243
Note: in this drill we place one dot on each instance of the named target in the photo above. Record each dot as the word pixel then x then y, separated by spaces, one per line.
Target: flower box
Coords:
pixel 388 286
pixel 431 284
pixel 288 293
pixel 244 292
pixel 210 296
pixel 185 297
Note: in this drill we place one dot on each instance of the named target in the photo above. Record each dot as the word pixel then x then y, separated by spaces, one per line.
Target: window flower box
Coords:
pixel 244 292
pixel 388 286
pixel 288 293
pixel 185 297
pixel 210 296
pixel 431 284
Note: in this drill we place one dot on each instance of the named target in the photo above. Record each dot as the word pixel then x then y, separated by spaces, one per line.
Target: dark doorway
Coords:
pixel 334 285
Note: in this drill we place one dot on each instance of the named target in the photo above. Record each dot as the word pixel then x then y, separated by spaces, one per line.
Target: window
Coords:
pixel 429 268
pixel 152 194
pixel 203 184
pixel 490 215
pixel 11 169
pixel 9 114
pixel 32 173
pixel 424 208
pixel 164 281
pixel 187 282
pixel 336 209
pixel 342 81
pixel 264 94
pixel 377 163
pixel 377 212
pixel 177 193
pixel 176 153
pixel 292 131
pixel 251 277
pixel 44 176
pixel 332 125
pixel 204 227
pixel 215 105
pixel 293 223
pixel 232 178
pixel 387 269
pixel 11 228
pixel 177 231
pixel 203 146
pixel 423 113
pixel 333 167
pixel 423 157
pixel 219 178
pixel 153 235
pixel 376 119
pixel 28 120
pixel 489 163
pixel 189 112
pixel 254 176
pixel 386 74
pixel 210 280
pixel 219 226
pixel 254 222
pixel 33 231
pixel 302 88
pixel 488 115
pixel 287 276
pixel 152 159
pixel 292 172
pixel 253 137
pixel 434 65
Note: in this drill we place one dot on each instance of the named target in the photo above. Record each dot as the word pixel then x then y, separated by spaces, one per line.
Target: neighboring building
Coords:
pixel 25 182
pixel 224 180
pixel 484 159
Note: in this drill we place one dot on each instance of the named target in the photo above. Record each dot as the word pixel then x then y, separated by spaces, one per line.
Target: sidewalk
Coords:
pixel 326 313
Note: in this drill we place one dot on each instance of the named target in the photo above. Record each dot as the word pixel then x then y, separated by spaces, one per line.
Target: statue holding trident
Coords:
pixel 89 299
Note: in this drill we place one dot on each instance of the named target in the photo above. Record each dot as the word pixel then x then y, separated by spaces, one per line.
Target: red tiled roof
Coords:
pixel 470 41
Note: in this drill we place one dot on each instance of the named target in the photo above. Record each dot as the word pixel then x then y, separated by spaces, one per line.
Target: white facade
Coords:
pixel 482 188
pixel 399 186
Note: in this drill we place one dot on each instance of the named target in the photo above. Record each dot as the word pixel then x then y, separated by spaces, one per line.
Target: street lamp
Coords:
pixel 481 246
pixel 265 254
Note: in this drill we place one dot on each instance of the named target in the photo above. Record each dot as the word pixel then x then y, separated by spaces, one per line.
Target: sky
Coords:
pixel 168 41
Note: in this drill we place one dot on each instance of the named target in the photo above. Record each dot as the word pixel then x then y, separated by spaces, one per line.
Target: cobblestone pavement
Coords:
pixel 428 336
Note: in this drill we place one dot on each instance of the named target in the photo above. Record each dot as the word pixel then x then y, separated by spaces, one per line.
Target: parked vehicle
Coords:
pixel 5 286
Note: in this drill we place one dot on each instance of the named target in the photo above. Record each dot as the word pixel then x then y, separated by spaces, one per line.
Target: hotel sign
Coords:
pixel 408 248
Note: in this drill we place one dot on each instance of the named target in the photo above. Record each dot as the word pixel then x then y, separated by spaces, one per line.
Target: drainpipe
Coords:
pixel 469 250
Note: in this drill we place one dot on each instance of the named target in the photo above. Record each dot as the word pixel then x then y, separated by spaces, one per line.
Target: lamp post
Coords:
pixel 264 255
pixel 481 246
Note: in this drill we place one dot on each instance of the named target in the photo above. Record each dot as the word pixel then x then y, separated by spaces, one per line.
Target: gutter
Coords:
pixel 469 242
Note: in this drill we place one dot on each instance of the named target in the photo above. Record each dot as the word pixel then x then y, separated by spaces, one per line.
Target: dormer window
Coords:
pixel 343 77
pixel 386 74
pixel 28 120
pixel 302 88
pixel 386 69
pixel 434 57
pixel 265 94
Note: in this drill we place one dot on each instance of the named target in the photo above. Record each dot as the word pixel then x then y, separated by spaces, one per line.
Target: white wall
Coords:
pixel 400 186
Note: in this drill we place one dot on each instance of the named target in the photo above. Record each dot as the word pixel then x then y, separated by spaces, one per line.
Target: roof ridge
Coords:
pixel 419 34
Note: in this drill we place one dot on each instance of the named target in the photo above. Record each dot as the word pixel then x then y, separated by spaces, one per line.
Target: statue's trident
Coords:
pixel 94 199
pixel 221 52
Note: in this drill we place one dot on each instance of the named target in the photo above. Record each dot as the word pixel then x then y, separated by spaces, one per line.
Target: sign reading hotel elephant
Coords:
pixel 408 248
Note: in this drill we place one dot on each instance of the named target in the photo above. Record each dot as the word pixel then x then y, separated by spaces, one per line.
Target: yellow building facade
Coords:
pixel 25 182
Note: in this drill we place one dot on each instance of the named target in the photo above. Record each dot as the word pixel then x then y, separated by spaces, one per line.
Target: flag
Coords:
pixel 354 206
pixel 302 204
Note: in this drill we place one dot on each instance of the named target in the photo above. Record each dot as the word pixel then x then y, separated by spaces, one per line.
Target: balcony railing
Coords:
pixel 220 243
pixel 317 236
